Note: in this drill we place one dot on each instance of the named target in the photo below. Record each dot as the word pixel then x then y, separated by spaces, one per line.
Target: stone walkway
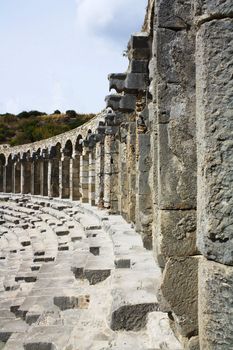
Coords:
pixel 73 277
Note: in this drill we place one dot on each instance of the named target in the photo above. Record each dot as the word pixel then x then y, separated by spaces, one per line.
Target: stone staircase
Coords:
pixel 74 277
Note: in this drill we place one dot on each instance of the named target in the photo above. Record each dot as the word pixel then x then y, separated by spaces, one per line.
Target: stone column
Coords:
pixel 123 178
pixel 53 177
pixel 44 177
pixel 84 176
pixel 143 191
pixel 25 176
pixel 92 175
pixel 8 177
pixel 215 172
pixel 35 176
pixel 111 173
pixel 99 178
pixel 131 171
pixel 16 177
pixel 1 176
pixel 174 94
pixel 75 177
pixel 64 177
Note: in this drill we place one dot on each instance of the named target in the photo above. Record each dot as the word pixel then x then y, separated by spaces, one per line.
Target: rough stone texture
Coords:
pixel 211 9
pixel 174 14
pixel 143 190
pixel 215 305
pixel 175 75
pixel 162 338
pixel 215 143
pixel 130 317
pixel 177 164
pixel 176 234
pixel 182 301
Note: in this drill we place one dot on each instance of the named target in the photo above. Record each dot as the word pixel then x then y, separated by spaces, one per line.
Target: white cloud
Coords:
pixel 93 14
pixel 68 68
pixel 109 18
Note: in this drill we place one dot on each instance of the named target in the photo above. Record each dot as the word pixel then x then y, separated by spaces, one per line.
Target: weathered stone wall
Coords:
pixel 161 156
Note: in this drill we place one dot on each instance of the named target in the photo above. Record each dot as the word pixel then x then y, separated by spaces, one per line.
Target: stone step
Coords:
pixel 105 257
pixel 163 337
pixel 9 327
pixel 47 338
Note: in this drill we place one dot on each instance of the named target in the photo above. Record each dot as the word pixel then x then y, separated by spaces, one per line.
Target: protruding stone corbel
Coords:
pixel 117 81
pixel 122 103
pixel 139 46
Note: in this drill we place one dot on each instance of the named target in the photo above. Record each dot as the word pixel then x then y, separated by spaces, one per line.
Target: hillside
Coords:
pixel 34 126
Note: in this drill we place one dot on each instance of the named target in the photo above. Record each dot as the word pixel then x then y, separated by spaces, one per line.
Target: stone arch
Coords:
pixel 78 145
pixel 68 149
pixel 2 159
pixel 55 151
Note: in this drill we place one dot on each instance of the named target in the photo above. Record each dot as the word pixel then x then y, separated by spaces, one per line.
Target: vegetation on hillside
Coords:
pixel 34 126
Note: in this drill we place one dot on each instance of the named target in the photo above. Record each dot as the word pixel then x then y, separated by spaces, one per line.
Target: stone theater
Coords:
pixel 119 234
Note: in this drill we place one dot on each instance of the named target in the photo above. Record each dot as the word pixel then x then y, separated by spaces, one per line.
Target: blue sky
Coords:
pixel 56 54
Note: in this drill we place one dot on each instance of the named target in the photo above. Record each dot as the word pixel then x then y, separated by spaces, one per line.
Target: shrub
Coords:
pixel 71 113
pixel 29 114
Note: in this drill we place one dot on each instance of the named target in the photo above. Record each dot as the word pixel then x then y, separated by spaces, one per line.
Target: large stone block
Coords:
pixel 177 164
pixel 176 234
pixel 174 14
pixel 180 292
pixel 214 139
pixel 139 46
pixel 175 73
pixel 144 157
pixel 138 66
pixel 113 101
pixel 117 81
pixel 215 306
pixel 135 82
pixel 213 8
pixel 128 103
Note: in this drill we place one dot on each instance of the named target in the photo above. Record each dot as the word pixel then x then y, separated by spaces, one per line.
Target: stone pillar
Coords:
pixel 53 177
pixel 64 177
pixel 99 178
pixel 123 180
pixel 143 190
pixel 84 177
pixel 44 177
pixel 174 105
pixel 111 173
pixel 35 177
pixel 214 92
pixel 92 175
pixel 131 171
pixel 25 176
pixel 16 177
pixel 153 176
pixel 75 178
pixel 8 177
pixel 1 176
